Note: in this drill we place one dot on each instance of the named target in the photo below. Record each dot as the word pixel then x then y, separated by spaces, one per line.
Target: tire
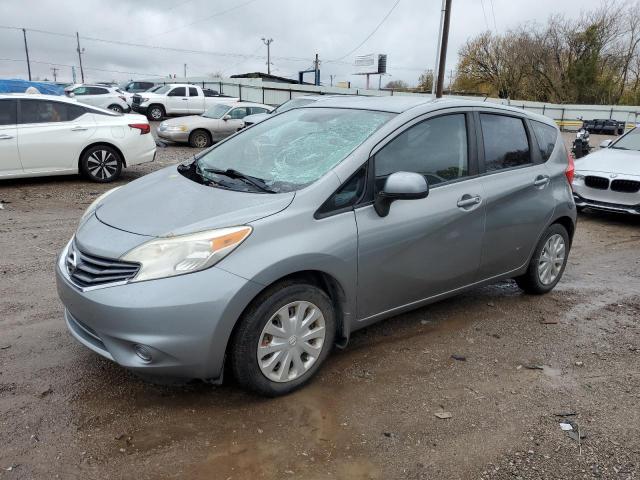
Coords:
pixel 101 163
pixel 534 281
pixel 116 108
pixel 200 139
pixel 265 315
pixel 155 113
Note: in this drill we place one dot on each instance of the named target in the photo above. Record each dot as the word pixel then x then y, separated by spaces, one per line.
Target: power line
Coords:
pixel 371 34
pixel 493 12
pixel 86 68
pixel 484 14
pixel 217 14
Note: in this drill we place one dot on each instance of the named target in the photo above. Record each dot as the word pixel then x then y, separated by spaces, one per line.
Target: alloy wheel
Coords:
pixel 102 164
pixel 156 113
pixel 551 259
pixel 291 341
pixel 200 140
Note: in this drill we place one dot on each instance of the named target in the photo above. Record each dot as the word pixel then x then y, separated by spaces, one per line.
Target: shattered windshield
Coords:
pixel 295 148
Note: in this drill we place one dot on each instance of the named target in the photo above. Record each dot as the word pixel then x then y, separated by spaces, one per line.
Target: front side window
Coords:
pixel 436 148
pixel 295 148
pixel 178 92
pixel 43 111
pixel 631 141
pixel 546 135
pixel 505 142
pixel 8 115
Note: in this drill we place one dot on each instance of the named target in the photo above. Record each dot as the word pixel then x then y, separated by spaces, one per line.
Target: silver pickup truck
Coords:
pixel 176 99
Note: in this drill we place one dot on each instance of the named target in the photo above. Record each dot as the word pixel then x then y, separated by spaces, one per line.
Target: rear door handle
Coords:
pixel 467 201
pixel 541 181
pixel 79 129
pixel 5 136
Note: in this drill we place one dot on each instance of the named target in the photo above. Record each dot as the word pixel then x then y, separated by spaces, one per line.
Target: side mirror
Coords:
pixel 400 186
pixel 606 143
pixel 226 117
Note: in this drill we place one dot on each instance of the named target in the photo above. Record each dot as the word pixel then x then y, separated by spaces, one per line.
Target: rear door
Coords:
pixel 178 101
pixel 9 159
pixel 51 134
pixel 196 101
pixel 519 198
pixel 425 247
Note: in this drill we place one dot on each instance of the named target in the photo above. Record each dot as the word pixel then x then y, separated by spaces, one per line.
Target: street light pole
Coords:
pixel 267 42
pixel 444 42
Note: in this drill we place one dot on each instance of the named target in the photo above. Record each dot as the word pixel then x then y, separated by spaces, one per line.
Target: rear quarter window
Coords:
pixel 546 136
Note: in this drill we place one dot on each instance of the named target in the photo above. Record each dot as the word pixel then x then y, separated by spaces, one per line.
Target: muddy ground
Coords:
pixel 371 412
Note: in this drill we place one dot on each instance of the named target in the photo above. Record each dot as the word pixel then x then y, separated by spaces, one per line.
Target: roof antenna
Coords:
pixel 485 97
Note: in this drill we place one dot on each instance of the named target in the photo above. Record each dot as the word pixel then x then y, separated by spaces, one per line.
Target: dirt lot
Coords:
pixel 370 414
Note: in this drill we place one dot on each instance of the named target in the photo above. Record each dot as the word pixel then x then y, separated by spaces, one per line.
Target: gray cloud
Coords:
pixel 299 29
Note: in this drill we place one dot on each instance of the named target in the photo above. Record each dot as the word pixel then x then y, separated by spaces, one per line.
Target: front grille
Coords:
pixel 600 183
pixel 89 271
pixel 136 99
pixel 627 186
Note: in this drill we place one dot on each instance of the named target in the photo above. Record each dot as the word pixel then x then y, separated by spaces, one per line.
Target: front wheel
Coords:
pixel 547 263
pixel 283 339
pixel 101 163
pixel 155 113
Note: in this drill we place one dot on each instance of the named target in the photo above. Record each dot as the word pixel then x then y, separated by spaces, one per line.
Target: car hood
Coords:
pixel 165 203
pixel 190 121
pixel 611 160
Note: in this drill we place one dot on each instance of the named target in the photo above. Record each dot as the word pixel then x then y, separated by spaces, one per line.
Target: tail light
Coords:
pixel 571 169
pixel 143 127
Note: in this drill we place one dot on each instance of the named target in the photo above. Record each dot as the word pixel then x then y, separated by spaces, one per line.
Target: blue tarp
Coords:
pixel 19 86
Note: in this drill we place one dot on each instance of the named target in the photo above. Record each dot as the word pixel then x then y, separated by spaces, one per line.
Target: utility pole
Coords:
pixel 54 70
pixel 332 77
pixel 444 42
pixel 80 52
pixel 316 68
pixel 26 49
pixel 185 70
pixel 268 42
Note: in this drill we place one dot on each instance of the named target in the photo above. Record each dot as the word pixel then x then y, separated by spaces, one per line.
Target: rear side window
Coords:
pixel 255 110
pixel 8 112
pixel 193 92
pixel 44 111
pixel 97 91
pixel 436 148
pixel 505 142
pixel 178 92
pixel 546 135
pixel 210 93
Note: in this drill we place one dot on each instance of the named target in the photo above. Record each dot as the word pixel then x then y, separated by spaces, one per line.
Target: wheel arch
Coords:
pixel 568 224
pixel 102 143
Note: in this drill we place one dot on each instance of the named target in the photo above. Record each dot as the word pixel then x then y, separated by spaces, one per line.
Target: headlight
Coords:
pixel 176 128
pixel 96 202
pixel 144 100
pixel 167 257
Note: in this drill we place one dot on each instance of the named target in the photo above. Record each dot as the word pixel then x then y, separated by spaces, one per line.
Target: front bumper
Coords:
pixel 173 136
pixel 184 322
pixel 582 202
pixel 139 108
pixel 604 195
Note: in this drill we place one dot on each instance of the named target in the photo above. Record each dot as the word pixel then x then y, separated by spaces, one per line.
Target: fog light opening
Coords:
pixel 143 352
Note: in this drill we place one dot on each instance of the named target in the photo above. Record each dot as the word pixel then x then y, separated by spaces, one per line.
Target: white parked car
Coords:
pixel 54 135
pixel 176 99
pixel 217 123
pixel 609 179
pixel 99 96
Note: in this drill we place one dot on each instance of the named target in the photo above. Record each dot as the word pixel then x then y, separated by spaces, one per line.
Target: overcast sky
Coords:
pixel 230 31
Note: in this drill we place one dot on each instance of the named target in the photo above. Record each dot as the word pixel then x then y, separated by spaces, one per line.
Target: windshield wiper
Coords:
pixel 231 173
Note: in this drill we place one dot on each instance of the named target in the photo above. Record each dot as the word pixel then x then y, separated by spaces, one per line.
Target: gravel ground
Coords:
pixel 530 363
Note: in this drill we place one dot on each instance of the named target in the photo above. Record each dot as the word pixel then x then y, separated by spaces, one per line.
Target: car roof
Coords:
pixel 38 96
pixel 242 104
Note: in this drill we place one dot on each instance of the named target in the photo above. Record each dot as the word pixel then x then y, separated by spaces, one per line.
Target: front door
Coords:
pixel 51 134
pixel 178 101
pixel 518 198
pixel 426 247
pixel 233 124
pixel 9 159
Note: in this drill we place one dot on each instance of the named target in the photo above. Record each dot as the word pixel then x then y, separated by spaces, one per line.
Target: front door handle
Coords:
pixel 185 99
pixel 467 201
pixel 5 136
pixel 541 181
pixel 79 129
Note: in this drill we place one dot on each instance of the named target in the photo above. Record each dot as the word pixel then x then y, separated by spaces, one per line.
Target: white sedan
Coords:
pixel 609 179
pixel 50 135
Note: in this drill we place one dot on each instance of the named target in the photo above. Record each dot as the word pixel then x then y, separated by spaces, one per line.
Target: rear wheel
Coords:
pixel 155 113
pixel 200 139
pixel 101 163
pixel 283 339
pixel 116 108
pixel 547 263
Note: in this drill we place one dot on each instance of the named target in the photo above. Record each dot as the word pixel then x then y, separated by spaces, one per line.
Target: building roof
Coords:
pixel 267 77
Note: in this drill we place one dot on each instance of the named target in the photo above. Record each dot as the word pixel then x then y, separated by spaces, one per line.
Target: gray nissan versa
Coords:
pixel 265 251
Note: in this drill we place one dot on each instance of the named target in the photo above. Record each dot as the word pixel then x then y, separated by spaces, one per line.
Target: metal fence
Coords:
pixel 568 117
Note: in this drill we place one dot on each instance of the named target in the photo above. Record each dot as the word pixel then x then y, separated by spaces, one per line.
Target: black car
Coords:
pixel 604 126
